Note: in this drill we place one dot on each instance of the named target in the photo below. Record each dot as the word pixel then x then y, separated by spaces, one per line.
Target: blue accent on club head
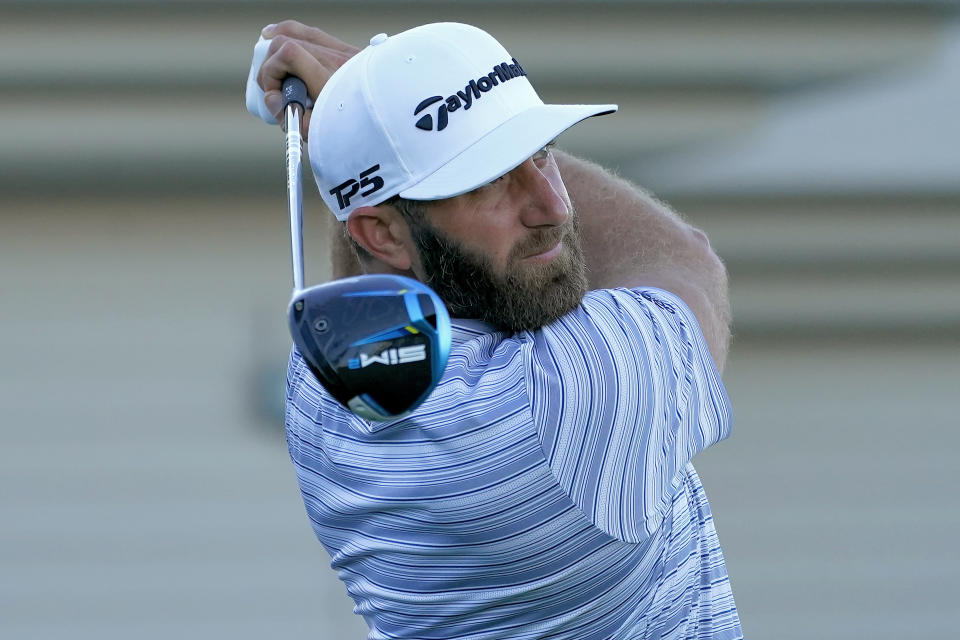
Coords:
pixel 399 331
pixel 335 359
pixel 372 294
pixel 440 336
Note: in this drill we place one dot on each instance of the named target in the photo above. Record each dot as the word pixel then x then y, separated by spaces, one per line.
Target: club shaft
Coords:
pixel 292 115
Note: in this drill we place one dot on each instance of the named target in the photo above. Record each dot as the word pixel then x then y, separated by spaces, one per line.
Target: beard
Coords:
pixel 525 296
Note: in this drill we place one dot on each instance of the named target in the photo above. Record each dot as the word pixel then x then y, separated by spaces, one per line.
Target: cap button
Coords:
pixel 380 38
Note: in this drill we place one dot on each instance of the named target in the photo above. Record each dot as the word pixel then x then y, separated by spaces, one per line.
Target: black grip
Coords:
pixel 294 91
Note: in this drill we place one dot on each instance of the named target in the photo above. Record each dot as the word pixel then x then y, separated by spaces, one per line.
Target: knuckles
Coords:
pixel 276 42
pixel 280 57
pixel 288 50
pixel 295 44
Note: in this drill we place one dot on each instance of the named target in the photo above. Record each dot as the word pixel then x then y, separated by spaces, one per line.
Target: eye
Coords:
pixel 485 188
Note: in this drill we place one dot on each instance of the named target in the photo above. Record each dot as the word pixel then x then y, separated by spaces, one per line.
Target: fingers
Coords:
pixel 292 57
pixel 331 59
pixel 300 31
pixel 306 52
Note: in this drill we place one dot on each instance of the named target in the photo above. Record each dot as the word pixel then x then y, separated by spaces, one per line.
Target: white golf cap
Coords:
pixel 429 113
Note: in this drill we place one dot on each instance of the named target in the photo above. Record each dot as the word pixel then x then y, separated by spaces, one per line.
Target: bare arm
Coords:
pixel 630 239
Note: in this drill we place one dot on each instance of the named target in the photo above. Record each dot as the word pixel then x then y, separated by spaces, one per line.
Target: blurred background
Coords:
pixel 145 489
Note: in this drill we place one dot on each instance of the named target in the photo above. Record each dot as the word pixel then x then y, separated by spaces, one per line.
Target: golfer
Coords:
pixel 544 489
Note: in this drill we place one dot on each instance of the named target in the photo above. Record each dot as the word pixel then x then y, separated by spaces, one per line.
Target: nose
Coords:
pixel 545 197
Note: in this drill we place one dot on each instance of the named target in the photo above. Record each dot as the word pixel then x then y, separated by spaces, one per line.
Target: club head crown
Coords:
pixel 377 343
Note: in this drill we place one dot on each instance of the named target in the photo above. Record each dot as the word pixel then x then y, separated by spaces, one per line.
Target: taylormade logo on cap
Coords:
pixel 474 90
pixel 393 120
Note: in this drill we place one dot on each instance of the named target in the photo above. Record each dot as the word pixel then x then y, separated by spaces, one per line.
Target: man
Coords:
pixel 544 490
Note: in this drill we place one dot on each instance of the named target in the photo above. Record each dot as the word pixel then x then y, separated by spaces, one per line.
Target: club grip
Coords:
pixel 294 91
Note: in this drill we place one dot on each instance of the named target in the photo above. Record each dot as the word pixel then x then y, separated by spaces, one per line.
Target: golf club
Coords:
pixel 377 343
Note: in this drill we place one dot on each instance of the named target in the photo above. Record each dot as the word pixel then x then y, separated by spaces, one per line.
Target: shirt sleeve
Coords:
pixel 624 393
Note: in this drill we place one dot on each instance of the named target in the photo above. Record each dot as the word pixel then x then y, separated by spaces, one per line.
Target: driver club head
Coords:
pixel 378 343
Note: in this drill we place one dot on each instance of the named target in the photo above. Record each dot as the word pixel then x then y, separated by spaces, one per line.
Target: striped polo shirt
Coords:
pixel 543 490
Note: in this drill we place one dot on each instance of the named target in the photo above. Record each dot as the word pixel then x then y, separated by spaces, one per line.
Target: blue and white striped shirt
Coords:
pixel 543 490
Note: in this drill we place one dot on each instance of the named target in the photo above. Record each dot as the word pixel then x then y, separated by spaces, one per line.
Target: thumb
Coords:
pixel 274 103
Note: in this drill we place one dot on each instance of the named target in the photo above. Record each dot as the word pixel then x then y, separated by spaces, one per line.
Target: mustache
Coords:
pixel 541 240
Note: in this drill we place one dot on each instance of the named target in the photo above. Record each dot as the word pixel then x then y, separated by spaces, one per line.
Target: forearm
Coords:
pixel 631 239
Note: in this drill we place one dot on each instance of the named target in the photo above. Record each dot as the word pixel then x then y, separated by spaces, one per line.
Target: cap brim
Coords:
pixel 502 150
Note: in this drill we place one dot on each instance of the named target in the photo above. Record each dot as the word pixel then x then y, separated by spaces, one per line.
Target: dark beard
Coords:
pixel 526 297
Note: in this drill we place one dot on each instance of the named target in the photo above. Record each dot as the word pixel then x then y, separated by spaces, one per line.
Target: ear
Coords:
pixel 384 233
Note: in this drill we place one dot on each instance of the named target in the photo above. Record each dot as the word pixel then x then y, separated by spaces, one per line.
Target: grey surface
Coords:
pixel 140 96
pixel 885 133
pixel 145 490
pixel 836 500
pixel 141 495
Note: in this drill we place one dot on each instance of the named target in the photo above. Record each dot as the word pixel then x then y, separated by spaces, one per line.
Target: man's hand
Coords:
pixel 306 52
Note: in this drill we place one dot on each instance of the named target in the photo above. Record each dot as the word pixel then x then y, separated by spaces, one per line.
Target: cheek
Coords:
pixel 482 233
pixel 491 233
pixel 502 250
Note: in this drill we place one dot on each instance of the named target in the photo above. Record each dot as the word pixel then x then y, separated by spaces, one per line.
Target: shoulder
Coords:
pixel 617 342
pixel 615 327
pixel 623 393
pixel 607 310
